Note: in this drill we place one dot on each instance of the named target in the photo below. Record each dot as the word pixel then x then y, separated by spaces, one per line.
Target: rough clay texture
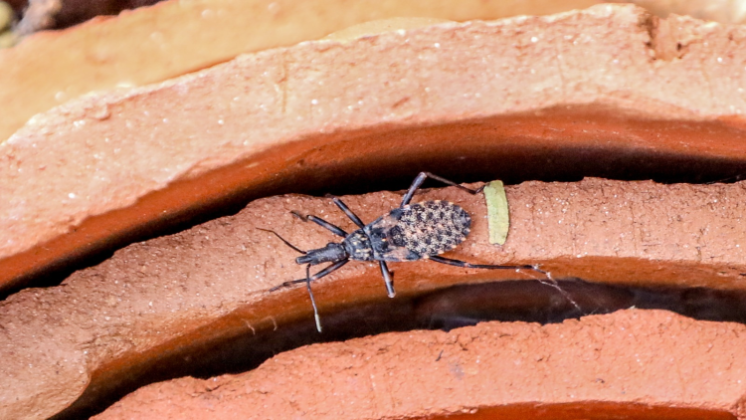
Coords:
pixel 107 165
pixel 177 291
pixel 493 370
pixel 173 38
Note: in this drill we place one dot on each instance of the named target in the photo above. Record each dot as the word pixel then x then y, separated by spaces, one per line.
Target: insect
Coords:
pixel 409 232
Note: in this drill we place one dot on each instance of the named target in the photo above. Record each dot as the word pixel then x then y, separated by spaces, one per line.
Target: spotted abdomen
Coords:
pixel 418 231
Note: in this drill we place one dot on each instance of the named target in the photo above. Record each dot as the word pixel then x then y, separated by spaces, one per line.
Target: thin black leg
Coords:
pixel 309 278
pixel 321 222
pixel 328 270
pixel 342 206
pixel 424 175
pixel 316 316
pixel 387 278
pixel 552 283
pixel 459 263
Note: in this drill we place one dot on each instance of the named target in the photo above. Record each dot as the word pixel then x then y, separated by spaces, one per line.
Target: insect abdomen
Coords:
pixel 419 231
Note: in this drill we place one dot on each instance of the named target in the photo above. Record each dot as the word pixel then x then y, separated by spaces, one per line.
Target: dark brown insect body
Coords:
pixel 408 233
pixel 417 231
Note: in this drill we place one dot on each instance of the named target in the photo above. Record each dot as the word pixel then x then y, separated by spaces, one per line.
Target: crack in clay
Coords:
pixel 560 73
pixel 708 82
pixel 281 86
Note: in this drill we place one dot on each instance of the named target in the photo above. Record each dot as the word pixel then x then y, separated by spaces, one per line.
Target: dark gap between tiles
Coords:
pixel 513 166
pixel 457 306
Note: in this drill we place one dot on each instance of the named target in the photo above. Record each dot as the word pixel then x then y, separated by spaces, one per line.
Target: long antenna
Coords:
pixel 283 240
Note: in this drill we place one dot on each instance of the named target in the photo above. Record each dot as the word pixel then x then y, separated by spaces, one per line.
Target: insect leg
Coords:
pixel 387 278
pixel 424 175
pixel 459 263
pixel 316 316
pixel 321 222
pixel 552 283
pixel 309 278
pixel 342 206
pixel 328 270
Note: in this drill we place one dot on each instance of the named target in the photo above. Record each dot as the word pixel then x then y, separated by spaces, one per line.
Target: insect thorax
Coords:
pixel 418 231
pixel 358 246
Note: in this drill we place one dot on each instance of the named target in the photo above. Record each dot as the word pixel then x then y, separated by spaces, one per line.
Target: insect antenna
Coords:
pixel 284 240
pixel 308 278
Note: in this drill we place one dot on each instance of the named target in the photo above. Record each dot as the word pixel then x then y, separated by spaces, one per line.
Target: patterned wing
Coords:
pixel 419 231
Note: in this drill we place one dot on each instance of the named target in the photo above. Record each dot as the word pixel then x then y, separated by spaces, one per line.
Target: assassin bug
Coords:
pixel 409 232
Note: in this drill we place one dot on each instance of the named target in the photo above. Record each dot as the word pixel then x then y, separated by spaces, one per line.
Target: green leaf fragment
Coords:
pixel 497 212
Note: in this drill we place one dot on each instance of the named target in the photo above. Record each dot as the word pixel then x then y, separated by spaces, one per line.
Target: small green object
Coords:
pixel 7 39
pixel 497 212
pixel 6 15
